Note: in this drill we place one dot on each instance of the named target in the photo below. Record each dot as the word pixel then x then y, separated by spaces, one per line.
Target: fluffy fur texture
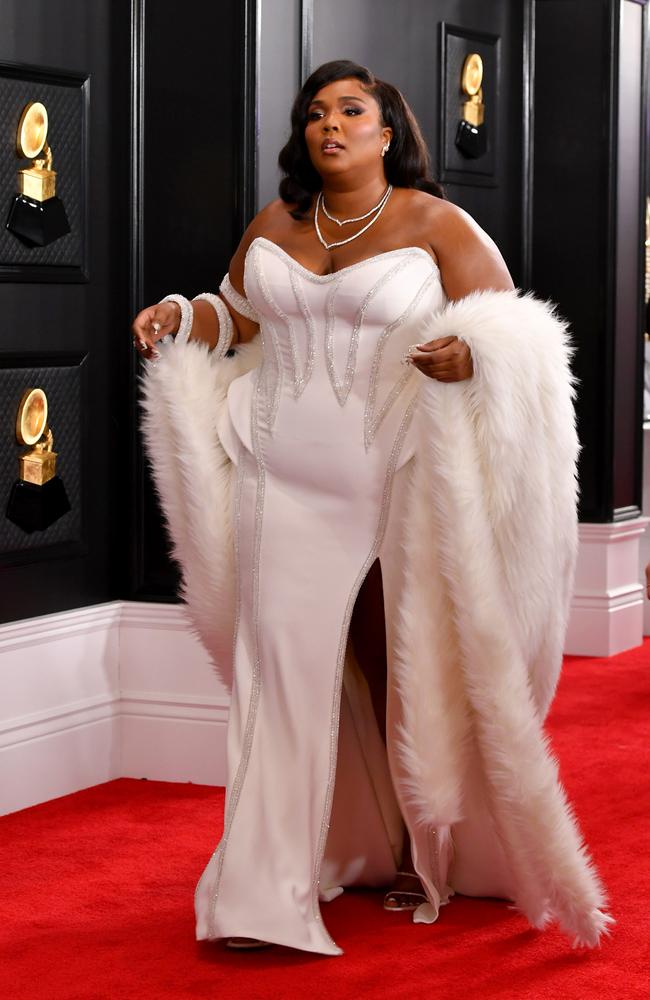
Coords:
pixel 482 624
pixel 494 490
pixel 183 396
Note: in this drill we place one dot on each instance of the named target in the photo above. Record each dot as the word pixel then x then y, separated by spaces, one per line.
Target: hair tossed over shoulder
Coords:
pixel 406 164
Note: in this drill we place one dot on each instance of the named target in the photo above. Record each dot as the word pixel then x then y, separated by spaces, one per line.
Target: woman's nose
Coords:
pixel 329 123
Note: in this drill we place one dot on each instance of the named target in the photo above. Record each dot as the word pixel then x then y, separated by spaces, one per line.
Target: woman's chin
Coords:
pixel 330 162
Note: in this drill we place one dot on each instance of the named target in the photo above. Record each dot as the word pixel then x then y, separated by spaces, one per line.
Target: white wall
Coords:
pixel 115 690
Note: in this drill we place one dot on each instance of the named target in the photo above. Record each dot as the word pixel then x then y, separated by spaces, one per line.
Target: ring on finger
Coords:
pixel 407 357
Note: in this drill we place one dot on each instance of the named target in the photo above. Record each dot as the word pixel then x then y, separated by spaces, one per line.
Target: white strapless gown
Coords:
pixel 321 437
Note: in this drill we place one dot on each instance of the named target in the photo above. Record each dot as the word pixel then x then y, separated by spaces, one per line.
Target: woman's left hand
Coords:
pixel 447 359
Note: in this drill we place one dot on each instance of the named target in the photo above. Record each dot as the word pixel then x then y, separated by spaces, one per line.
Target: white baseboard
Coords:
pixel 64 761
pixel 608 601
pixel 126 690
pixel 115 690
pixel 174 738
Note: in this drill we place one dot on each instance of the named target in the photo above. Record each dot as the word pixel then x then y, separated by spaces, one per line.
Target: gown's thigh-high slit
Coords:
pixel 368 640
pixel 369 760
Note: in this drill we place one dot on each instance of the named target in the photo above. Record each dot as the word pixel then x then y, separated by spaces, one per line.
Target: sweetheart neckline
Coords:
pixel 276 248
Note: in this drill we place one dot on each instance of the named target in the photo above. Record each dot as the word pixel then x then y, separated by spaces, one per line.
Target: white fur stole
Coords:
pixel 182 399
pixel 487 597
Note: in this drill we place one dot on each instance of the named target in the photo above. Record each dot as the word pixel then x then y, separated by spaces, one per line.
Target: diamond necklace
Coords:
pixel 339 243
pixel 358 218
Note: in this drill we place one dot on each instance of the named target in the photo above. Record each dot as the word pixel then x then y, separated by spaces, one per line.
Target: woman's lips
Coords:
pixel 330 148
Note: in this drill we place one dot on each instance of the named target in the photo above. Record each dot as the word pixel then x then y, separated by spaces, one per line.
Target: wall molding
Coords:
pixel 613 532
pixel 617 597
pixel 37 725
pixel 122 689
pixel 138 614
pixel 160 705
pixel 306 39
pixel 607 608
pixel 81 621
pixel 528 142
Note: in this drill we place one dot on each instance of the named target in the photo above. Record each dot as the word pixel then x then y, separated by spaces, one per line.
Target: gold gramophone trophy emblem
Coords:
pixel 471 136
pixel 38 498
pixel 37 217
pixel 38 465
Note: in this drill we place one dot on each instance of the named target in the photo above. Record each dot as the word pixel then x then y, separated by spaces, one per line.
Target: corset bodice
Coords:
pixel 334 344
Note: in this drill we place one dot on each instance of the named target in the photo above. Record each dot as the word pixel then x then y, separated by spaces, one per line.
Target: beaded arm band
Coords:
pixel 185 326
pixel 237 301
pixel 226 326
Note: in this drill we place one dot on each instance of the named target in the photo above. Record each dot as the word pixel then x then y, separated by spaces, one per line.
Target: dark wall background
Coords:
pixel 587 229
pixel 193 182
pixel 168 197
pixel 400 42
pixel 172 177
pixel 77 328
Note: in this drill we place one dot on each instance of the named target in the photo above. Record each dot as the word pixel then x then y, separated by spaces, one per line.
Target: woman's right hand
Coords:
pixel 152 323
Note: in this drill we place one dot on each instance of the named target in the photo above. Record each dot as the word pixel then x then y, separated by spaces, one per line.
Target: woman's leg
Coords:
pixel 368 638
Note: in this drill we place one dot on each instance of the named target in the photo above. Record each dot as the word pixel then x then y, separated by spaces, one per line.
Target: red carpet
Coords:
pixel 97 888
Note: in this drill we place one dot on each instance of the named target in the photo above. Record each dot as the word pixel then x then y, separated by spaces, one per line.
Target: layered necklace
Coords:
pixel 373 215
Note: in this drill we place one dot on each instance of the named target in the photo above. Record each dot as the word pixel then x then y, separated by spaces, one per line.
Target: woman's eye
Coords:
pixel 313 116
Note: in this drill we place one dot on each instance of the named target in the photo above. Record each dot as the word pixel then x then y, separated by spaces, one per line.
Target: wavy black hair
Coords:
pixel 407 163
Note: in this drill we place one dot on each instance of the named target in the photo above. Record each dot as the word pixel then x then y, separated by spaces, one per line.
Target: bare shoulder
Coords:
pixel 468 257
pixel 453 223
pixel 422 209
pixel 269 222
pixel 441 220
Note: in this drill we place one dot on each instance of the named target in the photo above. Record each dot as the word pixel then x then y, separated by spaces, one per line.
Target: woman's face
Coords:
pixel 344 129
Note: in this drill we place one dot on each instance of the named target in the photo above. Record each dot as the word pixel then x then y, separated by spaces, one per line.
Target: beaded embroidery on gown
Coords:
pixel 320 434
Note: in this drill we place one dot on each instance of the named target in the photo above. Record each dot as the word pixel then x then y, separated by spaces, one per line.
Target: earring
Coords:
pixel 385 149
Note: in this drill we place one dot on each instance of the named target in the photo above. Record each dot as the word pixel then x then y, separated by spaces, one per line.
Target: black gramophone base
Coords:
pixel 35 508
pixel 471 140
pixel 37 223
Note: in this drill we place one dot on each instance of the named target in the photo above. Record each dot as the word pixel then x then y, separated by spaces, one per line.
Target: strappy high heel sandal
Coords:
pixel 246 943
pixel 402 899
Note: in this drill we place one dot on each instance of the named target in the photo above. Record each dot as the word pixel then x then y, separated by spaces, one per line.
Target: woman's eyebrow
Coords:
pixel 349 97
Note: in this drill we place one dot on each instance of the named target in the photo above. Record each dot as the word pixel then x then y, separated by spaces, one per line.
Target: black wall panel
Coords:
pixel 63 382
pixel 45 320
pixel 66 97
pixel 586 256
pixel 192 189
pixel 631 123
pixel 456 43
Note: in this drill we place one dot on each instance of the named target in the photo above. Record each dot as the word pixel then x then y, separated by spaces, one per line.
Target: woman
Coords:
pixel 405 403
